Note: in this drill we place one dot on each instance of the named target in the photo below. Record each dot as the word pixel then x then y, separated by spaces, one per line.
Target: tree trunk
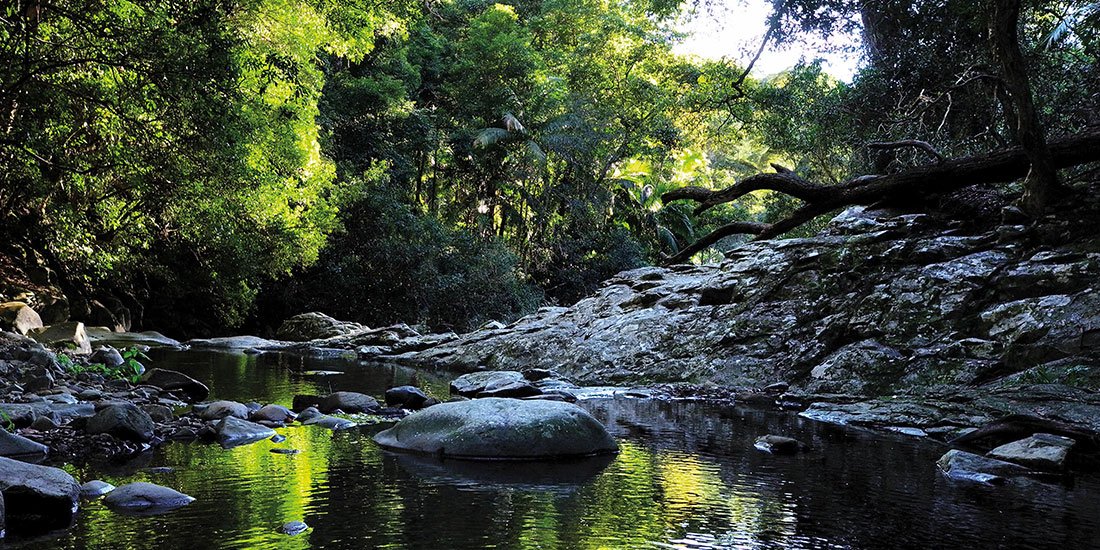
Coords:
pixel 1041 184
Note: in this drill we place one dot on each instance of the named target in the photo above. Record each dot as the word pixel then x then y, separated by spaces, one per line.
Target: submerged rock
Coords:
pixel 232 431
pixel 330 422
pixel 495 428
pixel 1041 451
pixel 294 528
pixel 143 497
pixel 780 445
pixel 37 497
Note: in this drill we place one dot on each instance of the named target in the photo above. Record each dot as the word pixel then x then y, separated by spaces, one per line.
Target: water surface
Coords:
pixel 687 477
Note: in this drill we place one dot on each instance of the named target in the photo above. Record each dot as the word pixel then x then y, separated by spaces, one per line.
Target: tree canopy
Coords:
pixel 451 161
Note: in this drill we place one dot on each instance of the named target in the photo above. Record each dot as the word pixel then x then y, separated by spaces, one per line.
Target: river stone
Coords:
pixel 1041 451
pixel 69 336
pixel 18 446
pixel 469 385
pixel 779 445
pixel 172 381
pixel 272 413
pixel 237 343
pixel 146 497
pixel 309 413
pixel 349 402
pixel 107 355
pixel 122 420
pixel 232 431
pixel 293 528
pixel 95 489
pixel 159 413
pixel 19 317
pixel 330 422
pixel 303 402
pixel 218 410
pixel 406 397
pixel 969 466
pixel 46 422
pixel 495 428
pixel 517 389
pixel 38 495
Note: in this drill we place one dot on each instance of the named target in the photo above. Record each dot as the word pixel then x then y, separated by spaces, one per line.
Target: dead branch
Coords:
pixel 920 182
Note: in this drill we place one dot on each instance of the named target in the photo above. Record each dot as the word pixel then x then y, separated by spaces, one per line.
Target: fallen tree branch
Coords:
pixel 916 183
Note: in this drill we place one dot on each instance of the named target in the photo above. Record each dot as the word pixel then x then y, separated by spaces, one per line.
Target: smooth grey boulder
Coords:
pixel 330 422
pixel 469 385
pixel 971 467
pixel 406 397
pixel 218 410
pixel 1040 451
pixel 780 445
pixel 15 445
pixel 518 389
pixel 232 431
pixel 149 338
pixel 122 420
pixel 19 318
pixel 349 402
pixel 272 413
pixel 37 496
pixel 143 497
pixel 70 336
pixel 238 343
pixel 172 381
pixel 95 489
pixel 496 428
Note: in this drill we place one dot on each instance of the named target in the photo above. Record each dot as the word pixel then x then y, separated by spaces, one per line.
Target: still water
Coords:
pixel 687 477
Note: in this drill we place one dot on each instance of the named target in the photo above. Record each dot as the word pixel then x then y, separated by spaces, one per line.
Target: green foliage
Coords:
pixel 130 369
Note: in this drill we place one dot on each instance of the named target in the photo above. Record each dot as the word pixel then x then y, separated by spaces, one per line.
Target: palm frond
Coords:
pixel 488 137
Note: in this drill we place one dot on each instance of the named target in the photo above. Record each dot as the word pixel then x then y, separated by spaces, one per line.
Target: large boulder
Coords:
pixel 69 336
pixel 314 326
pixel 19 317
pixel 37 497
pixel 144 498
pixel 232 431
pixel 15 445
pixel 237 343
pixel 122 420
pixel 1040 451
pixel 495 428
pixel 172 381
pixel 349 402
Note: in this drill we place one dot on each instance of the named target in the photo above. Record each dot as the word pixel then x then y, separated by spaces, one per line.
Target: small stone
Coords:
pixel 95 489
pixel 309 413
pixel 278 438
pixel 293 528
pixel 780 445
pixel 330 422
pixel 285 451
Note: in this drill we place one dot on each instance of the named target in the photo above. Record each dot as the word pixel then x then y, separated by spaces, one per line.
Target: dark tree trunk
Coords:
pixel 1042 180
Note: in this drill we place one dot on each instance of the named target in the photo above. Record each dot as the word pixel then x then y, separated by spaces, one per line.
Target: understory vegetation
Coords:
pixel 195 166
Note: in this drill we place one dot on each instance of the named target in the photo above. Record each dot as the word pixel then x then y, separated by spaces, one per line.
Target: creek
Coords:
pixel 687 477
